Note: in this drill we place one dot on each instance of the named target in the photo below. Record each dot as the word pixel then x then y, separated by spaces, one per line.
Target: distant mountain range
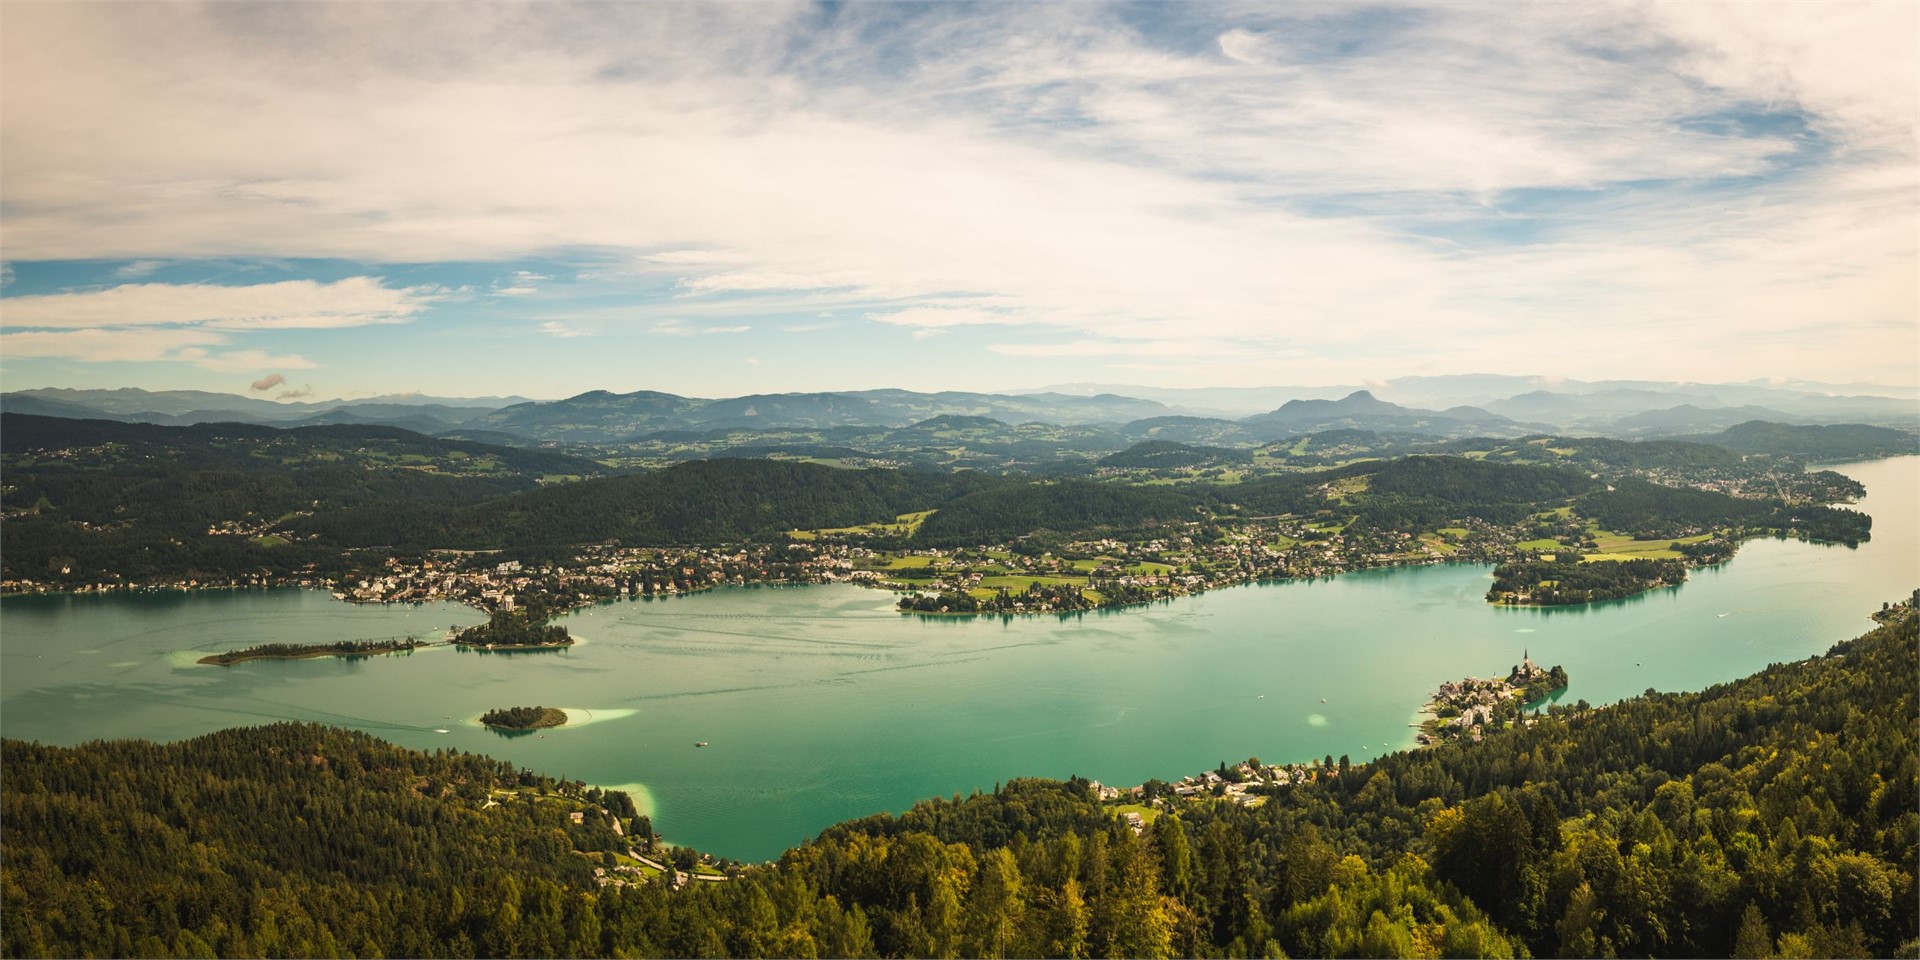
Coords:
pixel 183 407
pixel 1447 407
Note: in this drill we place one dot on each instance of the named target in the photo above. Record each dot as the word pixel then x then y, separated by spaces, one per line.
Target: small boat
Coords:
pixel 441 730
pixel 1261 697
pixel 1323 699
pixel 700 743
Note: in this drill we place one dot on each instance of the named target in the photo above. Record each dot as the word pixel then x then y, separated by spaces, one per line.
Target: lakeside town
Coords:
pixel 1186 558
pixel 1469 708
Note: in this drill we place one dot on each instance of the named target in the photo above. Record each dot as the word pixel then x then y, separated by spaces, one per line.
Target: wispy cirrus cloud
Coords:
pixel 1121 348
pixel 559 328
pixel 240 361
pixel 291 304
pixel 674 327
pixel 179 322
pixel 144 344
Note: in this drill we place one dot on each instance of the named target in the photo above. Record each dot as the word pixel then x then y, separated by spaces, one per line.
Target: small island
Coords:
pixel 1463 709
pixel 516 630
pixel 524 718
pixel 301 651
pixel 1563 581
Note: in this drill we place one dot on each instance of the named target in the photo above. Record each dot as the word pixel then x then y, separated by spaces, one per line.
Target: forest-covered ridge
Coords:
pixel 113 444
pixel 132 502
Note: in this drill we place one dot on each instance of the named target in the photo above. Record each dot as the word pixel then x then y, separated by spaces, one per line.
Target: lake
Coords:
pixel 820 703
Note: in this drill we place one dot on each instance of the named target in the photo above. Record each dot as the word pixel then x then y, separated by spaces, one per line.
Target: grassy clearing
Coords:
pixel 1351 486
pixel 1146 813
pixel 271 540
pixel 904 525
pixel 1619 546
pixel 1544 543
pixel 1018 582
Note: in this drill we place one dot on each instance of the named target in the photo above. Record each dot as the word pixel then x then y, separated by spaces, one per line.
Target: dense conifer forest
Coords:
pixel 1559 582
pixel 1776 815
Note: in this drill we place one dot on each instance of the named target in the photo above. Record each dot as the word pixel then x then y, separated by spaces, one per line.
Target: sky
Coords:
pixel 321 200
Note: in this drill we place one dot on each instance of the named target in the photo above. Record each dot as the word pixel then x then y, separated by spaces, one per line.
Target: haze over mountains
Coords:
pixel 1456 406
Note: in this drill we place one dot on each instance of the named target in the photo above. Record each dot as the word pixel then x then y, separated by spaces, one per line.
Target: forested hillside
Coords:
pixel 1774 815
pixel 1651 511
pixel 1840 441
pixel 1067 506
pixel 99 498
pixel 104 502
pixel 703 501
pixel 101 444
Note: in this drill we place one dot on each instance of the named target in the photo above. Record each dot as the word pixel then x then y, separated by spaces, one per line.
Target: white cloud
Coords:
pixel 941 317
pixel 1122 348
pixel 144 345
pixel 178 323
pixel 353 302
pixel 674 327
pixel 138 269
pixel 522 285
pixel 1243 45
pixel 241 361
pixel 555 328
pixel 108 345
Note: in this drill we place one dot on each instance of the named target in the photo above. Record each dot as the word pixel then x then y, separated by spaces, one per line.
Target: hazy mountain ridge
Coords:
pixel 1445 407
pixel 1361 410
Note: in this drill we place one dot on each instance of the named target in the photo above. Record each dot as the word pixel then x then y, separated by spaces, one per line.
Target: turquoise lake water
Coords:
pixel 821 703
